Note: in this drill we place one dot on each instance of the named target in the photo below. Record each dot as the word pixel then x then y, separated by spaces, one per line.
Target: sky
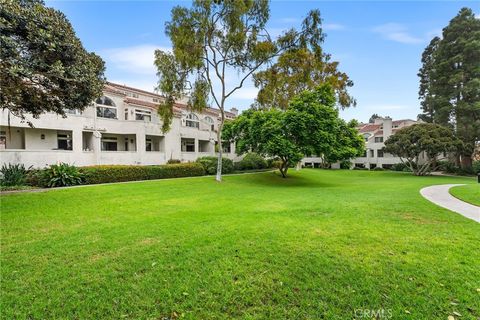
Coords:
pixel 377 43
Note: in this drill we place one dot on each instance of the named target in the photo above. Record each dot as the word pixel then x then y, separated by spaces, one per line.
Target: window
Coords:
pixel 209 121
pixel 64 141
pixel 372 153
pixel 106 108
pixel 155 100
pixel 378 139
pixel 134 95
pixel 365 154
pixel 3 140
pixel 226 147
pixel 143 115
pixel 380 153
pixel 148 144
pixel 192 121
pixel 71 111
pixel 188 145
pixel 109 144
pixel 366 136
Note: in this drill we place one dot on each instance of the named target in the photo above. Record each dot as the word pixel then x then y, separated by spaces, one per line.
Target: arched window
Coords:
pixel 192 121
pixel 106 108
pixel 209 122
pixel 366 136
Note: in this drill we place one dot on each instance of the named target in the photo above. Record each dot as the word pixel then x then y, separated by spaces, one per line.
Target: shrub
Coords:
pixel 61 175
pixel 13 175
pixel 476 166
pixel 173 161
pixel 346 164
pixel 121 173
pixel 210 165
pixel 398 167
pixel 378 169
pixel 359 168
pixel 251 161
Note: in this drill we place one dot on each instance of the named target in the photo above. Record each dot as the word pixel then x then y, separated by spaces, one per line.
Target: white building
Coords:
pixel 374 134
pixel 121 127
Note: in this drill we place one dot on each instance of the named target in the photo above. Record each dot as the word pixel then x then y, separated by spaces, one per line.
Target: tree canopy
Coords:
pixel 309 126
pixel 212 39
pixel 419 145
pixel 450 81
pixel 300 68
pixel 43 65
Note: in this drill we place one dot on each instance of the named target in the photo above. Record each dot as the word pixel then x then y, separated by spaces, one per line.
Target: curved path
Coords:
pixel 441 197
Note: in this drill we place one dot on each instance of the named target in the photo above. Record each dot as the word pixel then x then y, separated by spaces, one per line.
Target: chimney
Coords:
pixel 234 111
pixel 387 128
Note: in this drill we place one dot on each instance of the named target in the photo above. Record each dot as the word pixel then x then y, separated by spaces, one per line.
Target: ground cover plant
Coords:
pixel 469 193
pixel 320 244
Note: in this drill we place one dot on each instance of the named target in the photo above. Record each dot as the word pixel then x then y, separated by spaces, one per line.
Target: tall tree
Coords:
pixel 309 126
pixel 213 39
pixel 43 65
pixel 373 117
pixel 426 81
pixel 300 68
pixel 450 81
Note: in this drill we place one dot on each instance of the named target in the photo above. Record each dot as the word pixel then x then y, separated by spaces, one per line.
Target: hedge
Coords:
pixel 251 161
pixel 210 164
pixel 121 173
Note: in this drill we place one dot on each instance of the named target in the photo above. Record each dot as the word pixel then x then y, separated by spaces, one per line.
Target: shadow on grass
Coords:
pixel 294 179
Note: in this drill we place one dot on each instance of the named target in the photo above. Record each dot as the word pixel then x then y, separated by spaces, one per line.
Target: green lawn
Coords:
pixel 318 245
pixel 469 193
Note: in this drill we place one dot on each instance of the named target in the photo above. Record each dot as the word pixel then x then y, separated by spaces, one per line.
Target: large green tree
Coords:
pixel 43 65
pixel 301 68
pixel 420 145
pixel 309 126
pixel 214 39
pixel 450 81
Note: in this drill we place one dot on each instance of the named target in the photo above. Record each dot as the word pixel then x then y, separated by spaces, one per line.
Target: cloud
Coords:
pixel 134 59
pixel 333 26
pixel 397 32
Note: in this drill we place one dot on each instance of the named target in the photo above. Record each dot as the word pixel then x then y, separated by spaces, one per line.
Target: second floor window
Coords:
pixel 143 115
pixel 378 139
pixel 380 153
pixel 192 121
pixel 106 108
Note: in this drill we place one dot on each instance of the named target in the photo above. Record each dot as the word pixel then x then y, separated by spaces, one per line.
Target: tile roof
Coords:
pixel 369 128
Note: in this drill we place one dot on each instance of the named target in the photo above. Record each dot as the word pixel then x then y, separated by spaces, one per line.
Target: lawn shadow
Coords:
pixel 294 179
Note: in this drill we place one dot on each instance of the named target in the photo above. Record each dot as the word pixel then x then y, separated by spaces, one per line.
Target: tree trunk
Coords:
pixel 284 168
pixel 466 162
pixel 218 176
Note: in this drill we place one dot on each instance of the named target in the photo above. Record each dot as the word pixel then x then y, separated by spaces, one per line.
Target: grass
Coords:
pixel 469 193
pixel 318 245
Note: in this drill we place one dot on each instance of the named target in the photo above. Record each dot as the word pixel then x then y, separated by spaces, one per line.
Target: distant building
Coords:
pixel 374 134
pixel 121 127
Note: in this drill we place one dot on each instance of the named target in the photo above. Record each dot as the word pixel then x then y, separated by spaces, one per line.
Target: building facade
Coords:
pixel 374 134
pixel 121 127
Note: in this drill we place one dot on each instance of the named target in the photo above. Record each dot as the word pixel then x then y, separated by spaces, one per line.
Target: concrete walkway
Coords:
pixel 441 197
